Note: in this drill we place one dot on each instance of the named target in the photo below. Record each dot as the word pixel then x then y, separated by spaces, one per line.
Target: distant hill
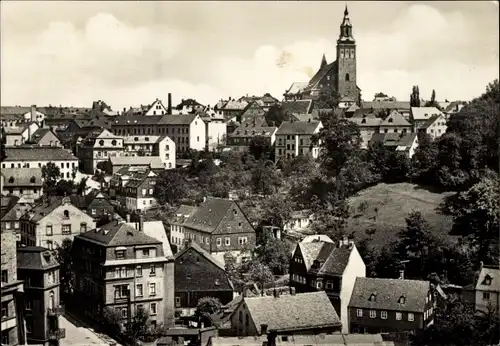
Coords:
pixel 384 208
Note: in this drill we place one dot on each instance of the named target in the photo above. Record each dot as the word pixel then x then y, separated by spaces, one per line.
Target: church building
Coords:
pixel 338 76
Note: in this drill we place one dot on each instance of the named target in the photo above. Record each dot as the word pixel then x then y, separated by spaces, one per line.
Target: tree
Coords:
pixel 2 148
pixel 141 329
pixel 328 98
pixel 207 306
pixel 170 187
pixel 64 187
pixel 423 163
pixel 275 253
pixel 50 175
pixel 260 273
pixel 105 167
pixel 277 211
pixel 265 178
pixel 433 102
pixel 260 147
pixel 82 186
pixel 379 94
pixel 476 218
pixel 112 320
pixel 66 270
pixel 276 115
pixel 415 97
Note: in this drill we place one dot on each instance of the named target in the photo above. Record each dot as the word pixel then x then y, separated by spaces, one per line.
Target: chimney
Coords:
pixel 117 221
pixel 141 223
pixel 309 120
pixel 292 291
pixel 345 240
pixel 169 103
pixel 263 329
pixel 276 293
pixel 128 218
pixel 33 113
pixel 402 274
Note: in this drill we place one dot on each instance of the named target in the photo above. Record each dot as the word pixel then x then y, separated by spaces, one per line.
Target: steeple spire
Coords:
pixel 323 61
pixel 346 27
pixel 346 12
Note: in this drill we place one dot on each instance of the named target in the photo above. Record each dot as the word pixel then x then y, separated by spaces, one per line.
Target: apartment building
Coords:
pixel 119 267
pixel 19 135
pixel 44 137
pixel 97 147
pixel 12 329
pixel 39 270
pixel 421 115
pixel 52 221
pixel 435 127
pixel 138 191
pixel 161 146
pixel 294 138
pixel 240 138
pixel 17 116
pixel 23 182
pixel 487 292
pixel 37 157
pixel 215 129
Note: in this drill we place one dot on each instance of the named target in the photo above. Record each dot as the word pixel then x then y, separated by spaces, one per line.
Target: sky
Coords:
pixel 129 53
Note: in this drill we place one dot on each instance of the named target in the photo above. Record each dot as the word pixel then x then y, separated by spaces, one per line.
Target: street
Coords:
pixel 79 334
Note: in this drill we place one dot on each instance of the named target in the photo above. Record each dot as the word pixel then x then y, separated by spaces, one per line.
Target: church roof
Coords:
pixel 322 72
pixel 296 88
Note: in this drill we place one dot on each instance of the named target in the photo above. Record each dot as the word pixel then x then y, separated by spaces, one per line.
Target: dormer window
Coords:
pixel 487 280
pixel 11 180
pixel 32 180
pixel 363 121
pixel 390 120
pixel 373 297
pixel 402 300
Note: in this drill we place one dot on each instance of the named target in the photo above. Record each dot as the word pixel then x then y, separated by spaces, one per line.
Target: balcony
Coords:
pixel 56 311
pixel 57 334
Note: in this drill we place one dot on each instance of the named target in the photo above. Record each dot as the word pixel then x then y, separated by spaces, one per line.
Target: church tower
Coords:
pixel 346 60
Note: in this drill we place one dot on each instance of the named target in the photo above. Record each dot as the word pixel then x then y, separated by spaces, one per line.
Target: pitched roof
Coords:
pixel 395 119
pixel 387 293
pixel 193 245
pixel 386 104
pixel 297 106
pixel 310 252
pixel 22 176
pixel 296 87
pixel 244 131
pixel 35 153
pixel 298 128
pixel 82 202
pixel 394 139
pixel 135 119
pixel 156 230
pixel 330 258
pixel 136 178
pixel 354 107
pixel 153 162
pixel 181 119
pixel 40 133
pixel 150 139
pixel 366 121
pixel 305 340
pixel 293 312
pixel 118 234
pixel 189 102
pixel 235 105
pixel 317 238
pixel 424 113
pixel 304 117
pixel 35 257
pixel 322 72
pixel 41 210
pixel 489 274
pixel 432 120
pixel 209 214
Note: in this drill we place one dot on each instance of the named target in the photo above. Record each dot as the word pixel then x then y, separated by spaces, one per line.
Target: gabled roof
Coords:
pixel 209 214
pixel 36 153
pixel 322 72
pixel 298 128
pixel 244 131
pixel 137 178
pixel 40 133
pixel 22 176
pixel 394 139
pixel 188 103
pixel 132 120
pixel 82 202
pixel 141 139
pixel 304 117
pixel 235 105
pixel 387 293
pixel 154 162
pixel 296 88
pixel 293 312
pixel 35 258
pixel 305 340
pixel 118 234
pixel 366 121
pixel 181 119
pixel 491 275
pixel 424 113
pixel 395 119
pixel 297 106
pixel 43 209
pixel 401 105
pixel 194 246
pixel 432 120
pixel 331 259
pixel 156 230
pixel 317 238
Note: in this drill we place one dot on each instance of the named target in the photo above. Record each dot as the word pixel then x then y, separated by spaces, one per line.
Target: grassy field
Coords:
pixel 384 208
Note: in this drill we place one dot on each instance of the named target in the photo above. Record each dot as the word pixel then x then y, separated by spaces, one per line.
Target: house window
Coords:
pixel 138 271
pixel 66 214
pixel 177 302
pixel 152 289
pixel 66 229
pixel 152 270
pixel 329 285
pixel 411 317
pixel 373 297
pixel 219 241
pixel 152 309
pixel 145 253
pixel 93 211
pixel 124 312
pixel 486 295
pixel 83 227
pixel 359 312
pixel 227 241
pixel 399 316
pixel 4 276
pixel 48 230
pixel 319 284
pixel 120 254
pixel 402 300
pixel 138 290
pixel 383 315
pixel 373 314
pixel 121 291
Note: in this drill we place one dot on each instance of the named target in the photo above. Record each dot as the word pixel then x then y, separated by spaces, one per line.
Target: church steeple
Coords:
pixel 346 27
pixel 323 61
